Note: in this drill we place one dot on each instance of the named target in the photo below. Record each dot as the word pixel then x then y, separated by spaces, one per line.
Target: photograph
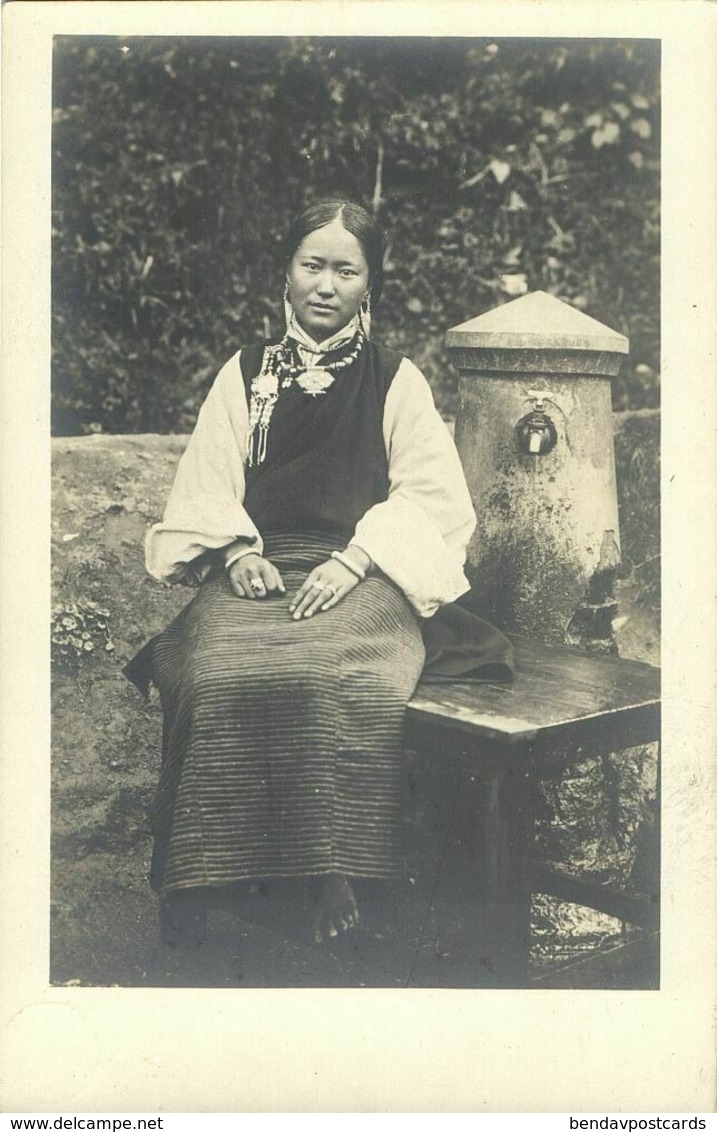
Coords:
pixel 357 490
pixel 355 380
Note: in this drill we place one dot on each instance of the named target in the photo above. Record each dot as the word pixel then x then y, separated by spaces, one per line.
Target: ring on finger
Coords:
pixel 256 584
pixel 331 590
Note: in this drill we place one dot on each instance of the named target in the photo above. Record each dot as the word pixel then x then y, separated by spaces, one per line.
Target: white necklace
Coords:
pixel 279 371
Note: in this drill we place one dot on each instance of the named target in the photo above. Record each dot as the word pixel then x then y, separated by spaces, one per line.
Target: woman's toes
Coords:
pixel 336 909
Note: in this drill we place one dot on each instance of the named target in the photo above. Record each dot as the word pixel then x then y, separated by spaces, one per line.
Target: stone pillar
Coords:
pixel 534 432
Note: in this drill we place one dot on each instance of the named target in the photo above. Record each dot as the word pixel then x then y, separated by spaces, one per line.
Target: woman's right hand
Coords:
pixel 253 576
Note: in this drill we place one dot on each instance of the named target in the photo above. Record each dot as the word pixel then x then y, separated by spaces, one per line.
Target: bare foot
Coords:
pixel 336 909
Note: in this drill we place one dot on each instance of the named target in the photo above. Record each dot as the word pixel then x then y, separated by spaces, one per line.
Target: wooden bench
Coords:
pixel 563 705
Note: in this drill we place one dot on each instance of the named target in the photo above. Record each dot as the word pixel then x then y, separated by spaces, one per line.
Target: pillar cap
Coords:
pixel 537 321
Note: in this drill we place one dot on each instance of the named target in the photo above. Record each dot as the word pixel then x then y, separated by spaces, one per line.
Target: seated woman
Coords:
pixel 322 509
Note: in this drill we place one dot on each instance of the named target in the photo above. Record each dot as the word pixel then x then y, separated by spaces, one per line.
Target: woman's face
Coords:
pixel 328 278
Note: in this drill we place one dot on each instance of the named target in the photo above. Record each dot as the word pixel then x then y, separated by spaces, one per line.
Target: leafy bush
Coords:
pixel 496 167
pixel 637 456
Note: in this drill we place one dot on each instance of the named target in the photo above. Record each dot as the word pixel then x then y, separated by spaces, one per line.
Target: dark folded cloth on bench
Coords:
pixel 461 646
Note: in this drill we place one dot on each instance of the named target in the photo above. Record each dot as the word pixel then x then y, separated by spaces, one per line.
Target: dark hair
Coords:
pixel 356 220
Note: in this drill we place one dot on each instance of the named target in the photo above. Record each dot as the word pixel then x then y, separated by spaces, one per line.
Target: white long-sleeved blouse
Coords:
pixel 418 536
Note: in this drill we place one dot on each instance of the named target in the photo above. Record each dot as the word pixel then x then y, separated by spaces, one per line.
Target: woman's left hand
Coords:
pixel 324 588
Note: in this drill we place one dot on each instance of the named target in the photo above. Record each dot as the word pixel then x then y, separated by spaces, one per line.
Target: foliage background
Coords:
pixel 495 166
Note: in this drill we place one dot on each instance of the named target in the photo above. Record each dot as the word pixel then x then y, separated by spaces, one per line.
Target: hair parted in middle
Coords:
pixel 356 219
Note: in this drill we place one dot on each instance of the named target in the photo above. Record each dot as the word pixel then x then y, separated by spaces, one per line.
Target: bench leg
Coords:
pixel 474 929
pixel 503 856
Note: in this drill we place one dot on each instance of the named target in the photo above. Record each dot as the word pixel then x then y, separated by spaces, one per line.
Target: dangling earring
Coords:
pixel 365 315
pixel 288 309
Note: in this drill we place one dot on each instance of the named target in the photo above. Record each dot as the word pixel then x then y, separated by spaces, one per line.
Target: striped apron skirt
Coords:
pixel 282 751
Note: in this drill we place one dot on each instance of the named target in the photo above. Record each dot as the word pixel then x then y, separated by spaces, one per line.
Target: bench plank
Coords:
pixel 557 693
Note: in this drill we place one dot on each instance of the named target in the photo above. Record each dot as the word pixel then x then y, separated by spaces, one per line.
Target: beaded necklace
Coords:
pixel 281 367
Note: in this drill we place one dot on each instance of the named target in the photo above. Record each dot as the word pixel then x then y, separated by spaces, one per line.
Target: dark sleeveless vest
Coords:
pixel 325 463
